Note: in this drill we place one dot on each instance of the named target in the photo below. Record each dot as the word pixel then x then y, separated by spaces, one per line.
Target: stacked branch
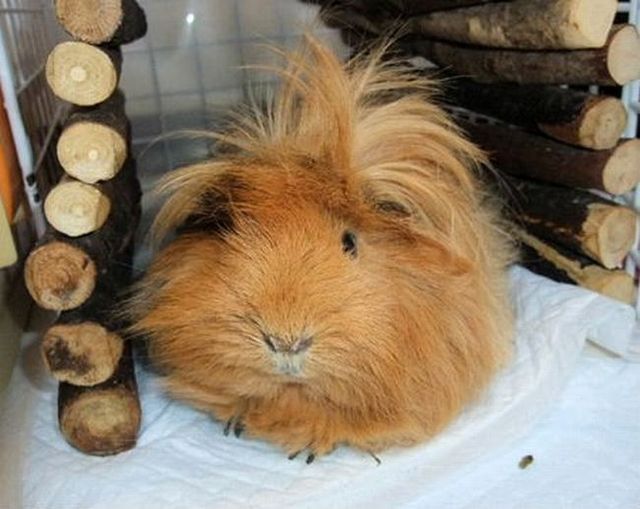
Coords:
pixel 573 117
pixel 615 171
pixel 578 220
pixel 83 74
pixel 615 63
pixel 85 257
pixel 102 21
pixel 84 346
pixel 61 273
pixel 76 208
pixel 523 24
pixel 93 145
pixel 510 52
pixel 102 419
pixel 565 266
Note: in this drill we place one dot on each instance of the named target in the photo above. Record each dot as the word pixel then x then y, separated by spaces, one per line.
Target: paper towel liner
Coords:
pixel 183 461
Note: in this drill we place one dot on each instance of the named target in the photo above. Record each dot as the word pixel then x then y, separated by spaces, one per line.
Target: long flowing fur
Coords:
pixel 406 328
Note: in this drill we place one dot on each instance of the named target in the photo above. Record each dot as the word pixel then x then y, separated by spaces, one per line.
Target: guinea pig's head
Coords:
pixel 341 228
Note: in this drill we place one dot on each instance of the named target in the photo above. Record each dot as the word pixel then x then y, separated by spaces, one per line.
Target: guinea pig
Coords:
pixel 337 275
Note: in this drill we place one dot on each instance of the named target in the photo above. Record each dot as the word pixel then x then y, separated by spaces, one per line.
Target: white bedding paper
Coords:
pixel 183 460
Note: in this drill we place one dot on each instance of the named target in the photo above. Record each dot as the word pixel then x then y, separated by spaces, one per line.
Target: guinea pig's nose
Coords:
pixel 278 344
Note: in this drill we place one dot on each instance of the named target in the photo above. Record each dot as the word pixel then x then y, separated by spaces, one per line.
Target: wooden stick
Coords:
pixel 566 267
pixel 83 74
pixel 84 346
pixel 76 208
pixel 102 21
pixel 103 419
pixel 61 272
pixel 60 275
pixel 95 141
pixel 578 220
pixel 519 153
pixel 616 63
pixel 578 118
pixel 524 24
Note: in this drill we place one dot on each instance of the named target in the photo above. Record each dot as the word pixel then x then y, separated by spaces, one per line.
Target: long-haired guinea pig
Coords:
pixel 337 276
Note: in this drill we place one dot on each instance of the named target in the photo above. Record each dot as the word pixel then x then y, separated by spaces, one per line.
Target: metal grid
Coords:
pixel 192 66
pixel 27 33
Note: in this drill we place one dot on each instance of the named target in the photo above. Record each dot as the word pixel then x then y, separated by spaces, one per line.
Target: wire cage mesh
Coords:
pixel 28 32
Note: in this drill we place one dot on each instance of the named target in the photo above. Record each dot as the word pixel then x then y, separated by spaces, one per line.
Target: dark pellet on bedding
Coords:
pixel 525 461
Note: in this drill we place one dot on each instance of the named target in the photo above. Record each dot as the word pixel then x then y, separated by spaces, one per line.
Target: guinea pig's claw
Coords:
pixel 227 427
pixel 376 459
pixel 238 428
pixel 310 457
pixel 293 455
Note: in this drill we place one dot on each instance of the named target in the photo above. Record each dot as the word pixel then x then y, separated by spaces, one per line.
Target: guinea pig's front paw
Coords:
pixel 311 453
pixel 303 437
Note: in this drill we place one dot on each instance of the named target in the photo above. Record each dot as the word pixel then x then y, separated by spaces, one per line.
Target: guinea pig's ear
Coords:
pixel 199 198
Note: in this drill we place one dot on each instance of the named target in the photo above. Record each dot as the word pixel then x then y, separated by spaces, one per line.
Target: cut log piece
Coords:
pixel 83 74
pixel 528 155
pixel 524 24
pixel 614 64
pixel 565 266
pixel 61 272
pixel 60 275
pixel 76 208
pixel 114 22
pixel 94 143
pixel 84 346
pixel 575 117
pixel 103 419
pixel 578 220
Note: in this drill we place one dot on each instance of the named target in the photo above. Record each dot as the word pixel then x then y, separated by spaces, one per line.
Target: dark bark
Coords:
pixel 528 155
pixel 104 419
pixel 122 26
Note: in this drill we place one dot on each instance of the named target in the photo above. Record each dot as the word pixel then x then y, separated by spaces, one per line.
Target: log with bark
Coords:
pixel 616 63
pixel 103 419
pixel 76 208
pixel 578 220
pixel 61 272
pixel 571 116
pixel 113 22
pixel 564 266
pixel 523 24
pixel 84 346
pixel 83 74
pixel 95 141
pixel 615 171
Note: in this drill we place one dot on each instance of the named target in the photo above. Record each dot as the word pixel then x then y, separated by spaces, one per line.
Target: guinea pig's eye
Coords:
pixel 393 208
pixel 350 244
